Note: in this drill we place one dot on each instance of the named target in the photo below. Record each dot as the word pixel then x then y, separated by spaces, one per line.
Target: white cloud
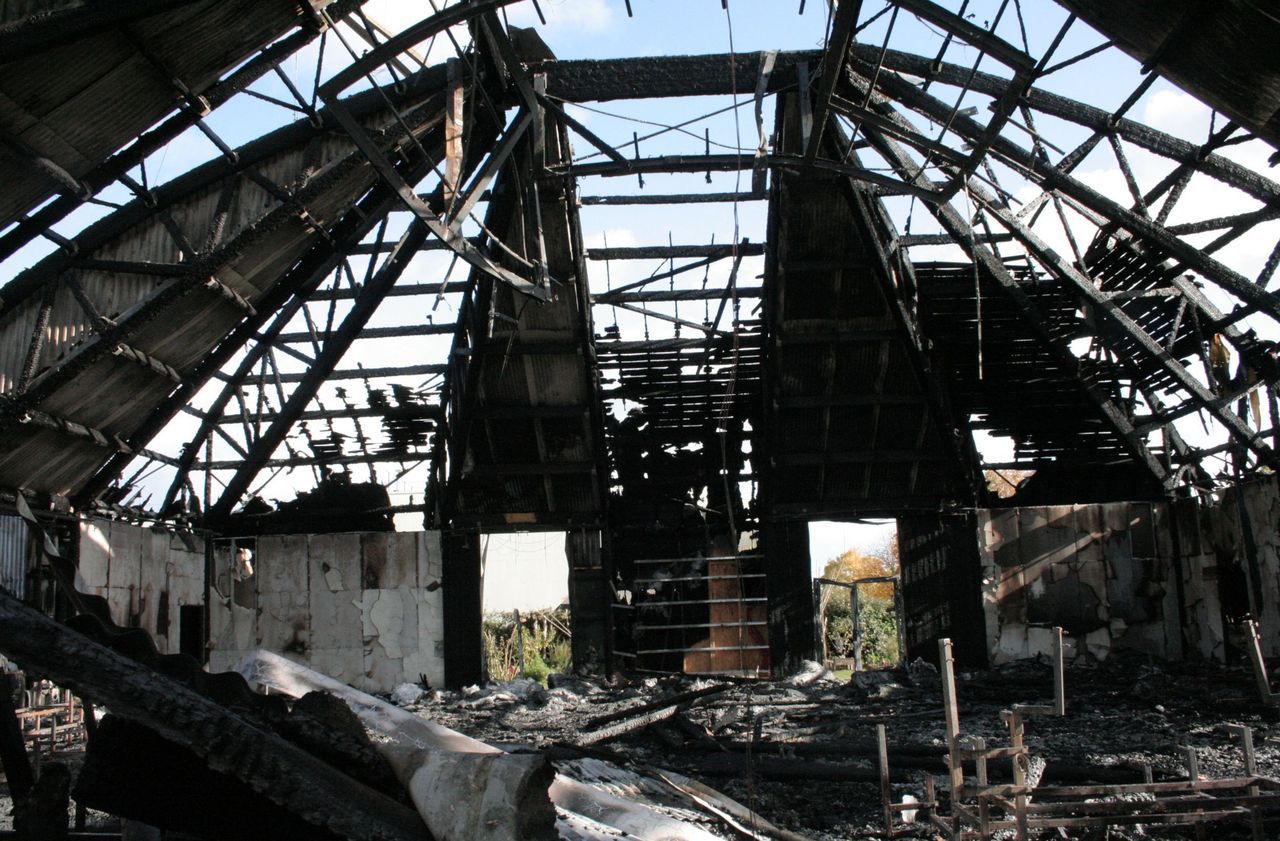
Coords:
pixel 581 15
pixel 1177 113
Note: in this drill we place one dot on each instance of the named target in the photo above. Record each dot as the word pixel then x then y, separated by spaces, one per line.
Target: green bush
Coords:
pixel 547 649
pixel 879 633
pixel 878 624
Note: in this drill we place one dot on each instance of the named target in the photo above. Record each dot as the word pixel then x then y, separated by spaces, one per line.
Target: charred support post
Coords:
pixel 792 611
pixel 1251 770
pixel 886 790
pixel 463 580
pixel 590 600
pixel 951 712
pixel 13 749
pixel 1253 643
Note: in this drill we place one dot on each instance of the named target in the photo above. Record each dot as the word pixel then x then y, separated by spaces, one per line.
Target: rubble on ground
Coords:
pixel 802 753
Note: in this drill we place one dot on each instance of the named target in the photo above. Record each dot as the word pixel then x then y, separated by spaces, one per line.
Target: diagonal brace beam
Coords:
pixel 370 295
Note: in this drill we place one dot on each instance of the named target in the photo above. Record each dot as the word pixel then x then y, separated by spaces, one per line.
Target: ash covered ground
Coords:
pixel 801 752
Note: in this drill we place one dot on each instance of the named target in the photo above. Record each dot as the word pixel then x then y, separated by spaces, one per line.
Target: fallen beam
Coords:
pixel 628 726
pixel 268 764
pixel 673 701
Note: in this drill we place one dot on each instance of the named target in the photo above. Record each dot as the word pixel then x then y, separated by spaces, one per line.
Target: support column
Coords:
pixel 792 611
pixel 590 601
pixel 463 581
pixel 13 752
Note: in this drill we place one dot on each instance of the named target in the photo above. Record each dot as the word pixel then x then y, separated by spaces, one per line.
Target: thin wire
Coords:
pixel 665 128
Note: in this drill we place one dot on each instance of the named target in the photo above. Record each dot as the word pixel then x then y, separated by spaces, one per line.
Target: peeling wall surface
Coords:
pixel 1099 571
pixel 146 575
pixel 354 606
pixel 1232 552
pixel 1112 575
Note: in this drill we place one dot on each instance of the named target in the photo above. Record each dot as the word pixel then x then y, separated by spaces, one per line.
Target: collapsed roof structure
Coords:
pixel 926 282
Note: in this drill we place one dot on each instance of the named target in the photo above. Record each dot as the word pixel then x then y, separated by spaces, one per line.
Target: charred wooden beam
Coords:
pixel 654 77
pixel 343 374
pixel 425 411
pixel 561 468
pixel 659 295
pixel 672 198
pixel 76 430
pixel 147 361
pixel 139 267
pixel 404 332
pixel 882 184
pixel 878 456
pixel 280 771
pixel 668 252
pixel 326 361
pixel 389 457
pixel 999 49
pixel 833 59
pixel 399 291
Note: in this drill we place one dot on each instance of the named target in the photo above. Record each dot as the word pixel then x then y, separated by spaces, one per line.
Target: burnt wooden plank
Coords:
pixel 283 773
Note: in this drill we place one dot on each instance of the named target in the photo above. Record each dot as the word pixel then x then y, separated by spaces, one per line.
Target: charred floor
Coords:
pixel 304 303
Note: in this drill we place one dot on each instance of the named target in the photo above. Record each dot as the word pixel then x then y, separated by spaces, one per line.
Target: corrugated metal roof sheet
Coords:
pixel 13 556
pixel 78 103
pixel 263 239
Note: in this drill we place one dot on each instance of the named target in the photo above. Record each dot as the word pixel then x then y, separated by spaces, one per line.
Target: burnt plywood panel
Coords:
pixel 855 428
pixel 531 439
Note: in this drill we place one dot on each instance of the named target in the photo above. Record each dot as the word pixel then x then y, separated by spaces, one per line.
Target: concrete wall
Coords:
pixel 354 606
pixel 1109 575
pixel 145 574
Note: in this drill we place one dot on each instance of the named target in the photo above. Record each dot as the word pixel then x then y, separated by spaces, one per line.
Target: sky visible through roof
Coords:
pixel 602 29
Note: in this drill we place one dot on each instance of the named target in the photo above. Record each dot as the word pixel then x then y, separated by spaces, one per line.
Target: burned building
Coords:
pixel 871 265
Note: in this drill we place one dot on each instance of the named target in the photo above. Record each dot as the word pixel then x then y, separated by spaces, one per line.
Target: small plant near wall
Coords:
pixel 537 648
